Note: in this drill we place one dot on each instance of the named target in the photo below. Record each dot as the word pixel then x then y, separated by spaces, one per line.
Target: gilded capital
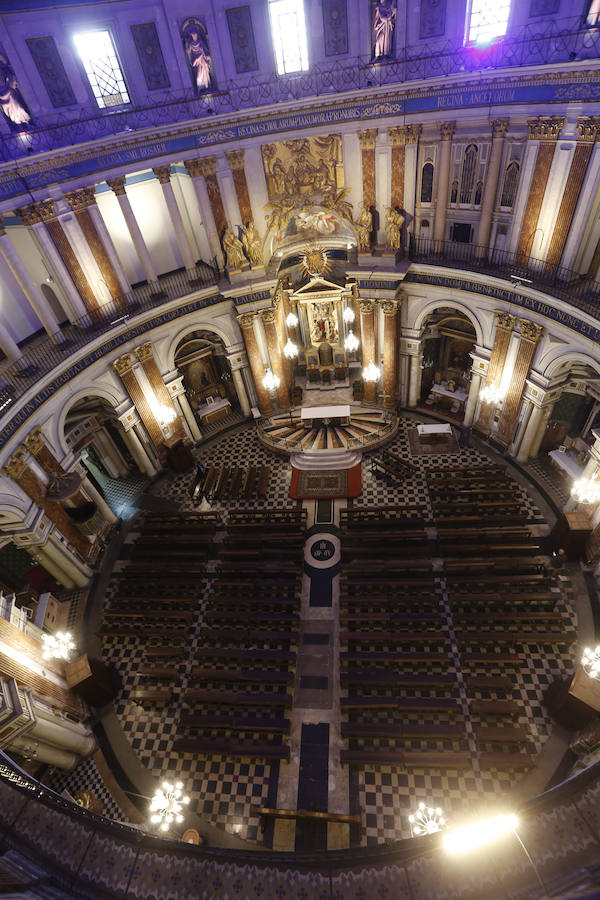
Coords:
pixel 276 301
pixel 588 128
pixel 545 128
pixel 204 165
pixel 447 130
pixel 122 364
pixel 530 331
pixel 268 316
pixel 33 213
pixel 163 173
pixel 389 307
pixel 246 320
pixel 504 320
pixel 16 464
pixel 117 184
pixel 34 441
pixel 499 127
pixel 144 351
pixel 366 307
pixel 235 158
pixel 81 198
pixel 367 138
pixel 400 135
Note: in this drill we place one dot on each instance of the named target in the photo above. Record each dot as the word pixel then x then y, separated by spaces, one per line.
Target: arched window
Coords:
pixel 467 177
pixel 511 180
pixel 427 183
pixel 454 191
pixel 478 192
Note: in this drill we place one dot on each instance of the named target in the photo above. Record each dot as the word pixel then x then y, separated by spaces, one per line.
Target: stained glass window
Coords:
pixel 97 53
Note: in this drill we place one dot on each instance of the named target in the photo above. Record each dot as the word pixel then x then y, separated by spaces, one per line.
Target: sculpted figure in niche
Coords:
pixel 193 34
pixel 234 250
pixel 364 226
pixel 11 101
pixel 324 327
pixel 252 245
pixel 393 228
pixel 383 27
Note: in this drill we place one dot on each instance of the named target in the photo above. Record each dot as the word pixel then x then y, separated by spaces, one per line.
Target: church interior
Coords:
pixel 300 449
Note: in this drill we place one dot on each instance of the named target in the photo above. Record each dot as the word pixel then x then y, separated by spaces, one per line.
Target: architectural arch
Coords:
pixel 231 343
pixel 96 391
pixel 426 311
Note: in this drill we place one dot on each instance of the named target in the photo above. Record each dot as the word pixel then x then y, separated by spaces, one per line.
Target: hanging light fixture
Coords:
pixel 271 381
pixel 590 662
pixel 491 393
pixel 351 342
pixel 290 351
pixel 166 805
pixel 371 373
pixel 426 820
pixel 348 315
pixel 58 646
pixel 291 320
pixel 586 490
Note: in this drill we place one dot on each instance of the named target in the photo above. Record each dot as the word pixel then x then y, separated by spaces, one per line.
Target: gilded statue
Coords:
pixel 234 250
pixel 324 325
pixel 252 244
pixel 364 226
pixel 393 228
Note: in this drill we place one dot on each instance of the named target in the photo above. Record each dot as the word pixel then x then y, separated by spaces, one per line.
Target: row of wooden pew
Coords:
pixel 231 483
pixel 243 671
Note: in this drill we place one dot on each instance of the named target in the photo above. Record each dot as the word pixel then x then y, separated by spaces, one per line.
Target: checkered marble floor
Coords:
pixel 87 777
pixel 226 791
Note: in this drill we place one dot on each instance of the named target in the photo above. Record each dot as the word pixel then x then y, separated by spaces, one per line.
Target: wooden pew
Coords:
pixel 229 748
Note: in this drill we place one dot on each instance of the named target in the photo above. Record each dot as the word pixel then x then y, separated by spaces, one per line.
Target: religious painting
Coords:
pixel 195 43
pixel 47 61
pixel 239 20
pixel 11 100
pixel 147 44
pixel 543 8
pixel 433 19
pixel 335 27
pixel 303 167
pixel 384 24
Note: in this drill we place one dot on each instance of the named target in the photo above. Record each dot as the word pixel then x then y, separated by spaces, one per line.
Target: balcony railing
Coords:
pixel 573 287
pixel 537 43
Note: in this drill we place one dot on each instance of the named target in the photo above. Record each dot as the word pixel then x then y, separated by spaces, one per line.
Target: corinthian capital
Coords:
pixel 268 316
pixel 504 321
pixel 117 184
pixel 530 331
pixel 163 173
pixel 235 158
pixel 588 128
pixel 389 307
pixel 81 198
pixel 367 138
pixel 16 464
pixel 366 307
pixel 246 320
pixel 545 128
pixel 447 130
pixel 144 351
pixel 204 165
pixel 122 364
pixel 499 127
pixel 34 441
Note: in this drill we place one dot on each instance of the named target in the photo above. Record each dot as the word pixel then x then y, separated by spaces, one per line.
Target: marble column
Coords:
pixel 539 435
pixel 499 127
pixel 235 159
pixel 111 457
pixel 123 368
pixel 471 404
pixel 531 429
pixel 240 388
pixel 400 136
pixel 288 364
pixel 443 180
pixel 367 331
pixel 588 128
pixel 246 322
pixel 40 555
pixel 8 345
pixel 145 356
pixel 275 357
pixel 38 302
pixel 504 326
pixel 141 458
pixel 78 572
pixel 530 335
pixel 546 130
pixel 163 173
pixel 367 141
pixel 188 415
pixel 390 341
pixel 99 500
pixel 197 169
pixel 207 166
pixel 81 202
pixel 118 186
pixel 414 386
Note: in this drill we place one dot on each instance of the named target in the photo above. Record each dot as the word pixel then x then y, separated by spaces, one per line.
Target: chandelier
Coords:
pixel 291 320
pixel 290 351
pixel 348 315
pixel 371 373
pixel 491 393
pixel 271 381
pixel 426 820
pixel 351 342
pixel 586 490
pixel 167 804
pixel 590 662
pixel 58 646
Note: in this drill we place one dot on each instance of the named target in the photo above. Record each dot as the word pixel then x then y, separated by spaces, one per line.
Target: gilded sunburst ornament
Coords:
pixel 315 260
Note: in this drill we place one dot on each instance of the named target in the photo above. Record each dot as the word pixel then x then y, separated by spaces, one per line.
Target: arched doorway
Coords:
pixel 449 339
pixel 202 360
pixel 577 410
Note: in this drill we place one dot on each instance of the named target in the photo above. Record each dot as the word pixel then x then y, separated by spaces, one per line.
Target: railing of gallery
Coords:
pixel 73 844
pixel 536 43
pixel 571 286
pixel 51 351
